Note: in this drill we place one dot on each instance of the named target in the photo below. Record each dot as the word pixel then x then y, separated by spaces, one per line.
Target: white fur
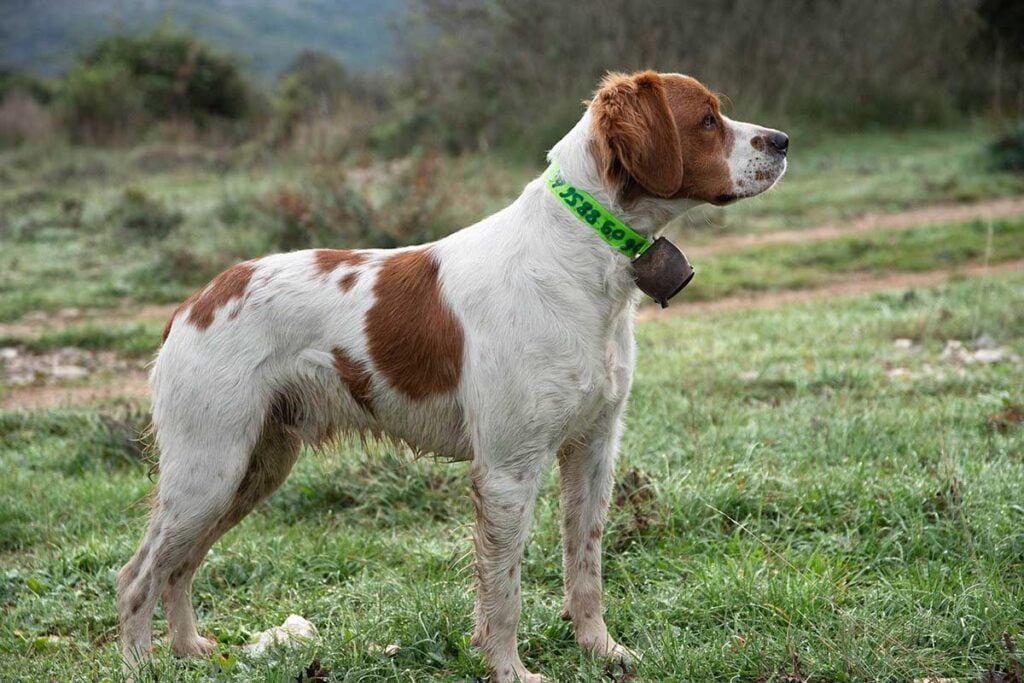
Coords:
pixel 547 312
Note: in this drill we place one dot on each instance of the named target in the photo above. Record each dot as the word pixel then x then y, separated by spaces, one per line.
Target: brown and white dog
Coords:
pixel 503 344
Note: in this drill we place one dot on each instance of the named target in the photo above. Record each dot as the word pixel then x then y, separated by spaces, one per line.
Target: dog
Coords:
pixel 506 344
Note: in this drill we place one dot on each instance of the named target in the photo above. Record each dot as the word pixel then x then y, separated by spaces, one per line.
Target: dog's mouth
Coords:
pixel 758 179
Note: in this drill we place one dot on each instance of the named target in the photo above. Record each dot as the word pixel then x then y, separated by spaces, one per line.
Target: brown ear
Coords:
pixel 636 134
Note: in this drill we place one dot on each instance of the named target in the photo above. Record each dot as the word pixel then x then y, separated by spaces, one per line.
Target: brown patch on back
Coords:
pixel 415 340
pixel 348 281
pixel 356 377
pixel 202 305
pixel 327 260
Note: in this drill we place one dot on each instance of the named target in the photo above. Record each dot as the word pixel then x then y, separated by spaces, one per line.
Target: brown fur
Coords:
pixel 202 305
pixel 636 135
pixel 327 260
pixel 705 152
pixel 348 281
pixel 356 377
pixel 414 338
pixel 649 137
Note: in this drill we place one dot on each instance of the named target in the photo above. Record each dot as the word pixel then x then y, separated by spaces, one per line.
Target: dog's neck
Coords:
pixel 585 254
pixel 575 155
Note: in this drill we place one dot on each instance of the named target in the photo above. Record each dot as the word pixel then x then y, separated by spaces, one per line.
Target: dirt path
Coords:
pixel 844 288
pixel 904 220
pixel 132 385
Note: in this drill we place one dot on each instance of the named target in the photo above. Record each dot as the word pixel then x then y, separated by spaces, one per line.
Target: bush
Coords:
pixel 14 80
pixel 100 103
pixel 388 206
pixel 1007 153
pixel 139 216
pixel 125 83
pixel 23 119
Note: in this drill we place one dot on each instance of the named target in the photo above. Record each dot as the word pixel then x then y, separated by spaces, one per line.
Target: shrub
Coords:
pixel 386 206
pixel 1007 152
pixel 317 87
pixel 124 83
pixel 22 119
pixel 14 80
pixel 100 103
pixel 140 216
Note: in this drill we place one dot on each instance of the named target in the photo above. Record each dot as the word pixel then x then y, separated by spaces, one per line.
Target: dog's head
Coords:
pixel 663 136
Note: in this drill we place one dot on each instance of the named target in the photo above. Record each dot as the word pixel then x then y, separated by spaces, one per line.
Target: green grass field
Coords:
pixel 789 506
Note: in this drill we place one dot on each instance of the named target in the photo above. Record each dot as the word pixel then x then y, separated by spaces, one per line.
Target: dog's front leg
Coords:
pixel 503 494
pixel 586 471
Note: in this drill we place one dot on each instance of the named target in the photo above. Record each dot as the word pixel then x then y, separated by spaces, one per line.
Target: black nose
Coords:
pixel 780 142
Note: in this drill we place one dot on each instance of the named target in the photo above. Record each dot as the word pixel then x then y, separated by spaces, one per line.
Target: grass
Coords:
pixel 793 511
pixel 132 340
pixel 811 264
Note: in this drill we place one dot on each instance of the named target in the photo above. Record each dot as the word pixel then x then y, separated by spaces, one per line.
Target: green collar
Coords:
pixel 591 213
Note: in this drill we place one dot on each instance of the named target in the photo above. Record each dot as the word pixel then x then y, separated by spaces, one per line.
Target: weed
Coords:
pixel 140 216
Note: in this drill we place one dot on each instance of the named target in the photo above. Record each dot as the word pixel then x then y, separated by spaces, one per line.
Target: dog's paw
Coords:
pixel 527 677
pixel 516 675
pixel 194 647
pixel 622 663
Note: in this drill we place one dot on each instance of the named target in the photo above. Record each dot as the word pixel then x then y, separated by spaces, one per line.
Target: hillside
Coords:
pixel 42 35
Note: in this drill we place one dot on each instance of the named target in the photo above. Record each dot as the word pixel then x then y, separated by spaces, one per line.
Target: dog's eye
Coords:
pixel 709 121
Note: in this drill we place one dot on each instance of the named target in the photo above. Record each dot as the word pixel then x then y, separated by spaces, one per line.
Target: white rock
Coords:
pixel 984 342
pixel 954 352
pixel 903 343
pixel 69 372
pixel 990 355
pixel 389 650
pixel 295 630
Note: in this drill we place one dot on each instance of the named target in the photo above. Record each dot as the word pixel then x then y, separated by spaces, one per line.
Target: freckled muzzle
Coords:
pixel 757 165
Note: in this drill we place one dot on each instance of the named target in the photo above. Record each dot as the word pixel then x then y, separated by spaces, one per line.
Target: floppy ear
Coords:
pixel 635 133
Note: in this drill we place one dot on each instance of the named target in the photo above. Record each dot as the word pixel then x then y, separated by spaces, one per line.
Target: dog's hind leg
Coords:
pixel 203 462
pixel 269 465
